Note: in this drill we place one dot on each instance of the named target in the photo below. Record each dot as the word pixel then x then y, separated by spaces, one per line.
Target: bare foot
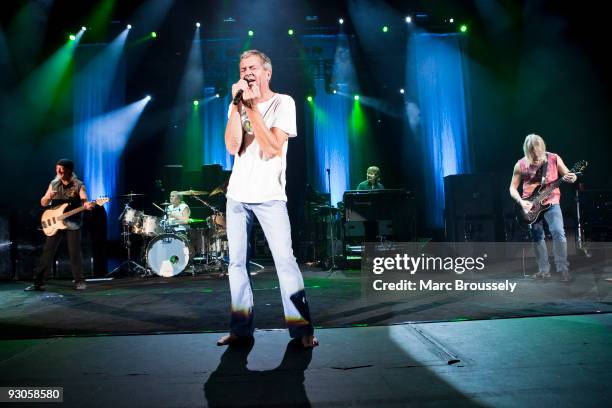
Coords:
pixel 227 339
pixel 310 341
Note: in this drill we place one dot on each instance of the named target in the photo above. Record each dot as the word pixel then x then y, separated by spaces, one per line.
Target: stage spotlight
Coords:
pixel 402 91
pixel 217 96
pixel 309 98
pixel 72 37
pixel 148 98
pixel 129 26
pixel 251 33
pixel 153 34
pixel 196 103
pixel 385 29
pixel 463 28
pixel 341 21
pixel 290 32
pixel 356 97
pixel 335 91
pixel 408 19
pixel 198 25
pixel 83 28
pixel 451 20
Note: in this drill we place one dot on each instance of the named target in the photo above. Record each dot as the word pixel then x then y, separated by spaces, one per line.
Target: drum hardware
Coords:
pixel 171 249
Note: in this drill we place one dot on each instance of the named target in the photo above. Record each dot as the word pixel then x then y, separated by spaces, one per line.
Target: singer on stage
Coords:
pixel 259 125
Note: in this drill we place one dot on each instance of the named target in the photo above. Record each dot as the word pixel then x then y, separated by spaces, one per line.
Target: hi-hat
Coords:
pixel 192 192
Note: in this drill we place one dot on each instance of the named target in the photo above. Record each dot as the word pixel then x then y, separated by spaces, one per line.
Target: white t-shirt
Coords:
pixel 178 211
pixel 255 179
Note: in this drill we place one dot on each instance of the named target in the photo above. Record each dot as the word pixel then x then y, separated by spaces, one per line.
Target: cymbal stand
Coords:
pixel 213 208
pixel 132 267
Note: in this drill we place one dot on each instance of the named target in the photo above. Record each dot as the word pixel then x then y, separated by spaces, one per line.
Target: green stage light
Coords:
pixel 72 37
pixel 251 33
pixel 290 32
pixel 356 97
pixel 309 98
pixel 196 103
pixel 385 29
pixel 463 28
pixel 153 34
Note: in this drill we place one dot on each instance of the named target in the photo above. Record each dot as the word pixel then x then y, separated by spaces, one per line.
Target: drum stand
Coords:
pixel 132 267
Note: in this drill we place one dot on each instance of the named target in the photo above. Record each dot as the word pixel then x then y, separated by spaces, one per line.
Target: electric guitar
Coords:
pixel 52 219
pixel 540 195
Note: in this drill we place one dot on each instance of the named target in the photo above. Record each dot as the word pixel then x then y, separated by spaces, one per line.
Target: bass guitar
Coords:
pixel 539 196
pixel 52 219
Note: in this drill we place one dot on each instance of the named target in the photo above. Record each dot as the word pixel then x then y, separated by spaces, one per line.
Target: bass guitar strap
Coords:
pixel 544 171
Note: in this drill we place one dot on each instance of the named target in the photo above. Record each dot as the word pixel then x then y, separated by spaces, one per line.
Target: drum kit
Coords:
pixel 170 248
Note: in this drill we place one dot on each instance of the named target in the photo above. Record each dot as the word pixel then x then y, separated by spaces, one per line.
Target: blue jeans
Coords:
pixel 554 219
pixel 274 220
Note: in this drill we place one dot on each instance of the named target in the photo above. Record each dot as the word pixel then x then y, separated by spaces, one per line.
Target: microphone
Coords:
pixel 238 96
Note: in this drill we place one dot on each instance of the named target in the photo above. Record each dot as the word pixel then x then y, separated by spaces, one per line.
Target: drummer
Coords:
pixel 178 213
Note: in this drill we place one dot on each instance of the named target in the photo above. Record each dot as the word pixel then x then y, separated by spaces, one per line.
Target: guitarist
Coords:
pixel 528 171
pixel 64 188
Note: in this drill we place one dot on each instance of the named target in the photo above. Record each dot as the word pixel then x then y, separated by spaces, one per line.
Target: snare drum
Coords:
pixel 168 254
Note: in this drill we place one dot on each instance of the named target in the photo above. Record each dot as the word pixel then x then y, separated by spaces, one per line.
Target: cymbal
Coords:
pixel 194 220
pixel 192 192
pixel 130 195
pixel 165 203
pixel 217 190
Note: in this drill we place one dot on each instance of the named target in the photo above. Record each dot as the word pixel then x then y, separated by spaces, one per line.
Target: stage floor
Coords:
pixel 528 362
pixel 200 303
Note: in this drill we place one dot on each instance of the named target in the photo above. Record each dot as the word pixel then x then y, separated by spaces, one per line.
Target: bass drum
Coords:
pixel 168 254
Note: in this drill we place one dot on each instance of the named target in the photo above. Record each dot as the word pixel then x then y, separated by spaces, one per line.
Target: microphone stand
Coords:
pixel 333 266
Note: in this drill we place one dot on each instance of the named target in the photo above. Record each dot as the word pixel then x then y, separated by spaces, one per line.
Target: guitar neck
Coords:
pixel 549 188
pixel 71 212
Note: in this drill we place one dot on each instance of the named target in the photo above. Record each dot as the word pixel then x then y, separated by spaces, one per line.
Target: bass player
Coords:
pixel 64 188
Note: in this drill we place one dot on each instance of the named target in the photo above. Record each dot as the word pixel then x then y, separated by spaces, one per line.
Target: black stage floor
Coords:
pixel 561 361
pixel 200 303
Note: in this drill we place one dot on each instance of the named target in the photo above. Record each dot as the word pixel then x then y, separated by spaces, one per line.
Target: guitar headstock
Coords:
pixel 579 166
pixel 102 200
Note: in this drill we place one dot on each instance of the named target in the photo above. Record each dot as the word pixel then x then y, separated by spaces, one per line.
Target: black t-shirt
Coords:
pixel 365 185
pixel 69 193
